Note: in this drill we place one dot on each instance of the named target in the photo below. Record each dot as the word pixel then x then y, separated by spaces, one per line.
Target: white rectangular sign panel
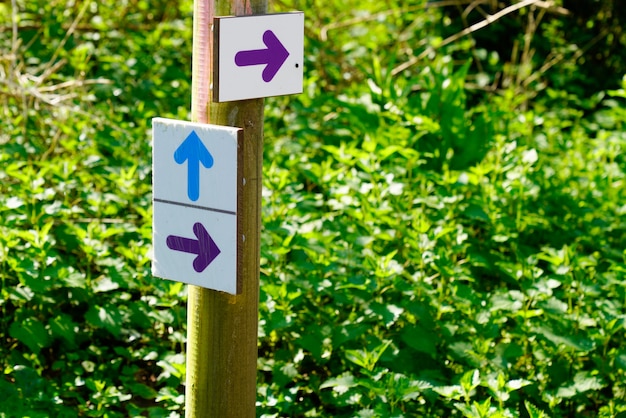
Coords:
pixel 258 56
pixel 195 183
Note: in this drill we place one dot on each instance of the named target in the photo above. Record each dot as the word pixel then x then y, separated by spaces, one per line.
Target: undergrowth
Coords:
pixel 444 227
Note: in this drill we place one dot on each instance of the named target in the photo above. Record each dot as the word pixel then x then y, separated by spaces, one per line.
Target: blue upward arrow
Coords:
pixel 195 153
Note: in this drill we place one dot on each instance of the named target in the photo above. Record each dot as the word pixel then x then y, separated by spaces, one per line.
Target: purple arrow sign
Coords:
pixel 273 56
pixel 204 247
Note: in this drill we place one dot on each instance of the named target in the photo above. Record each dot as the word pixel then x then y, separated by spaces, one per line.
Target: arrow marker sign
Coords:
pixel 273 56
pixel 195 153
pixel 195 222
pixel 204 247
pixel 258 56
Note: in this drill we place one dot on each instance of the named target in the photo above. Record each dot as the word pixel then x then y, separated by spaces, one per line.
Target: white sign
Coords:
pixel 195 181
pixel 258 56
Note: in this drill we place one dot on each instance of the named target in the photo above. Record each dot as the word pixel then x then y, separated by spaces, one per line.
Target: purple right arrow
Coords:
pixel 274 56
pixel 204 247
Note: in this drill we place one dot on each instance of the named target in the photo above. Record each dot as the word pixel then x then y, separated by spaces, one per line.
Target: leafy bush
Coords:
pixel 85 328
pixel 427 257
pixel 429 248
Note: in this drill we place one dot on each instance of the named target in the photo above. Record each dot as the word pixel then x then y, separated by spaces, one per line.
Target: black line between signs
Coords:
pixel 187 205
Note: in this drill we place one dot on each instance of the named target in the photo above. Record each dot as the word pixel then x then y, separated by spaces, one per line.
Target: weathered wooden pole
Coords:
pixel 222 328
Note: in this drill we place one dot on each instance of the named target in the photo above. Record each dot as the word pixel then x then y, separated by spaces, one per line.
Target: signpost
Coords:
pixel 207 194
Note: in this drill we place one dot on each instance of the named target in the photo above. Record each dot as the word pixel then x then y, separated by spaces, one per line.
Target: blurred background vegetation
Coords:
pixel 444 211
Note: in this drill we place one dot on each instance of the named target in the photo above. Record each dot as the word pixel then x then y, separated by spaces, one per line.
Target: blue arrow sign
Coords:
pixel 204 247
pixel 195 153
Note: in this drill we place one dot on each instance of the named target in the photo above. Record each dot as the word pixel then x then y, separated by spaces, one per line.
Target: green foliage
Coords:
pixel 429 248
pixel 85 328
pixel 429 255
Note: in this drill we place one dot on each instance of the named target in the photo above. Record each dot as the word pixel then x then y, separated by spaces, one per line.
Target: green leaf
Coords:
pixel 139 389
pixel 583 382
pixel 586 381
pixel 105 284
pixel 578 343
pixel 475 212
pixel 32 333
pixel 365 358
pixel 367 413
pixel 107 317
pixel 533 411
pixel 63 327
pixel 470 380
pixel 517 384
pixel 620 360
pixel 419 339
pixel 449 392
pixel 389 313
pixel 340 384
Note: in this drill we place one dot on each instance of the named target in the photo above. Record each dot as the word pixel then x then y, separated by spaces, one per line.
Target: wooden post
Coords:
pixel 221 328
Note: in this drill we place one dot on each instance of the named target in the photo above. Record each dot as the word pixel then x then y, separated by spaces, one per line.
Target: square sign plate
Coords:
pixel 258 56
pixel 195 187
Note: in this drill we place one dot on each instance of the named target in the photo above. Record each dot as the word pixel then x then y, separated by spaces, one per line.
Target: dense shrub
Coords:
pixel 444 221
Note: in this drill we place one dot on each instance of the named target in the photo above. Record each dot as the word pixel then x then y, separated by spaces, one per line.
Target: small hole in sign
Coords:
pixel 297 65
